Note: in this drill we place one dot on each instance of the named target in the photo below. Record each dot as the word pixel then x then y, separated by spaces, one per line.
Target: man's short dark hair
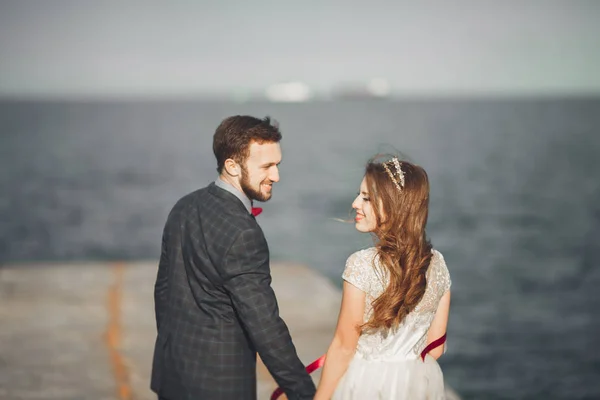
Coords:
pixel 234 135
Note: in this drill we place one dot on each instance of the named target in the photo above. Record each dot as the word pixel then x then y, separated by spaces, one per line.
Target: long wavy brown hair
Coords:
pixel 401 242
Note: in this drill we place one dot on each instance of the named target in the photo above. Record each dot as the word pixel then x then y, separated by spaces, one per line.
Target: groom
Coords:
pixel 214 305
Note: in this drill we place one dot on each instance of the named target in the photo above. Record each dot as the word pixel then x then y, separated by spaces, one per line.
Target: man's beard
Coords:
pixel 249 191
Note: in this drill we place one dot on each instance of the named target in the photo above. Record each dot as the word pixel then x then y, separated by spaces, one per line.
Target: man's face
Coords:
pixel 261 170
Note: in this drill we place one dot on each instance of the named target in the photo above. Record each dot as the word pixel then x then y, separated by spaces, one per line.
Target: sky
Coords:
pixel 109 48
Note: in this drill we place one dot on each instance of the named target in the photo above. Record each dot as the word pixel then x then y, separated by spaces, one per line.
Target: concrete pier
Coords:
pixel 86 331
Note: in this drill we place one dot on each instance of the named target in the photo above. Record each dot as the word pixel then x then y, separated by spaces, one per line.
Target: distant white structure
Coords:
pixel 288 92
pixel 379 87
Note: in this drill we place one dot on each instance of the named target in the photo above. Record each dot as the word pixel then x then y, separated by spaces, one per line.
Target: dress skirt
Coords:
pixel 410 379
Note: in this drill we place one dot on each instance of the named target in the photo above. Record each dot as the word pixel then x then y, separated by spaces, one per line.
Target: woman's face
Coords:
pixel 365 220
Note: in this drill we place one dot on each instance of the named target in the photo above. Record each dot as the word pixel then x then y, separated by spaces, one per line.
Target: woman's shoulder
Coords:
pixel 437 255
pixel 359 268
pixel 437 258
pixel 367 255
pixel 439 270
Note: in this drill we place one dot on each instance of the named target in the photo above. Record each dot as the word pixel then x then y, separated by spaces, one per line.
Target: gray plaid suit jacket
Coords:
pixel 215 308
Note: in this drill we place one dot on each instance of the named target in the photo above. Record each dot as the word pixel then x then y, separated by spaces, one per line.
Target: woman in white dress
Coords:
pixel 396 296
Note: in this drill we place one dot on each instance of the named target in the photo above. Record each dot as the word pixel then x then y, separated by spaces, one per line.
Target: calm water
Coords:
pixel 515 209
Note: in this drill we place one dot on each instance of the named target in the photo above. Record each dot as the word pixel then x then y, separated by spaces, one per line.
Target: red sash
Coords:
pixel 312 367
pixel 433 345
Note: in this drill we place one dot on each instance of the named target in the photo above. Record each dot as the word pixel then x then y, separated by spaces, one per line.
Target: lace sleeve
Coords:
pixel 359 270
pixel 442 275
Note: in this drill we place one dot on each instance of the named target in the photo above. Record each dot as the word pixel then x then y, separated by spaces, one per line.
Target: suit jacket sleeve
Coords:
pixel 248 282
pixel 162 283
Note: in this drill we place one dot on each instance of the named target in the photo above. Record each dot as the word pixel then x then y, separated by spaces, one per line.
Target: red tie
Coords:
pixel 256 211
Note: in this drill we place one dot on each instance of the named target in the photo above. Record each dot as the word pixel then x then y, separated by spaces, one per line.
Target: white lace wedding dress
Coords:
pixel 387 365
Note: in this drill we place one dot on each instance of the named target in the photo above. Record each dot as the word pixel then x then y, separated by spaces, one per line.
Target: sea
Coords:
pixel 514 209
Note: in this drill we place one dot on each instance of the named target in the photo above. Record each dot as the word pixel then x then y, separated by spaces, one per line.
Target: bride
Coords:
pixel 396 296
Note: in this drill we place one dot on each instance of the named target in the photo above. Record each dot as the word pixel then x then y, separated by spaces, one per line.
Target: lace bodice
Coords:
pixel 364 271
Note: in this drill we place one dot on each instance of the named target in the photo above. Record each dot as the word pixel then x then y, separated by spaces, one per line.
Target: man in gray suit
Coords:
pixel 215 308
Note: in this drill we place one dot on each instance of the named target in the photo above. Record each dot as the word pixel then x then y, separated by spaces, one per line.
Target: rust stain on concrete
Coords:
pixel 114 332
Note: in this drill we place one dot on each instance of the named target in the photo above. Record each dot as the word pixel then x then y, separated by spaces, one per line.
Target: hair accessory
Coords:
pixel 400 181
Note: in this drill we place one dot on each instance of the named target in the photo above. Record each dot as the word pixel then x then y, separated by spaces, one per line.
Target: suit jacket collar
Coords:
pixel 226 195
pixel 234 191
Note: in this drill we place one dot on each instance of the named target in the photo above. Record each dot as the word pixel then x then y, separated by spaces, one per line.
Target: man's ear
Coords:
pixel 232 168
